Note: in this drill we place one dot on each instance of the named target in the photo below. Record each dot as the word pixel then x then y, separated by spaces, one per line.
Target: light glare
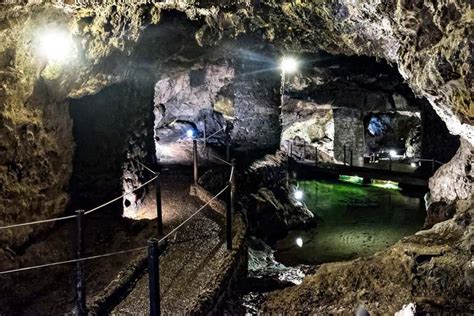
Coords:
pixel 299 242
pixel 190 133
pixel 298 194
pixel 288 65
pixel 55 45
pixel 393 153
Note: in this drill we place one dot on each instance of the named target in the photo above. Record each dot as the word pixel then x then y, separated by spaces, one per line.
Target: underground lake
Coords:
pixel 354 221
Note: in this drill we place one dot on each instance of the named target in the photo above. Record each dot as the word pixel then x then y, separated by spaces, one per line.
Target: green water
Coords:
pixel 355 221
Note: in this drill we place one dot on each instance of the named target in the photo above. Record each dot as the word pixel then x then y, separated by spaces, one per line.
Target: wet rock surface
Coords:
pixel 264 276
pixel 266 199
pixel 431 269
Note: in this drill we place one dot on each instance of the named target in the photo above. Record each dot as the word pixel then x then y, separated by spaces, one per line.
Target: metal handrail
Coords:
pixel 87 212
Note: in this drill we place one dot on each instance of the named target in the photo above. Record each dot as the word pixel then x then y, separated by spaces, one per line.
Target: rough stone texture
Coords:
pixel 185 102
pixel 257 124
pixel 401 131
pixel 36 139
pixel 428 40
pixel 354 88
pixel 266 199
pixel 349 131
pixel 302 121
pixel 432 269
pixel 437 142
pixel 453 181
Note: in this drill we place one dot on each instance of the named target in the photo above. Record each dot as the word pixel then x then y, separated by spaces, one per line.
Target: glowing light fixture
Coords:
pixel 55 44
pixel 413 165
pixel 298 194
pixel 190 133
pixel 299 242
pixel 393 153
pixel 288 65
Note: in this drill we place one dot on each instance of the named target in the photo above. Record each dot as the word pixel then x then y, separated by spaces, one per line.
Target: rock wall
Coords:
pixel 428 40
pixel 225 90
pixel 431 269
pixel 112 132
pixel 349 132
pixel 304 122
pixel 257 124
pixel 454 180
pixel 185 102
pixel 268 201
pixel 351 88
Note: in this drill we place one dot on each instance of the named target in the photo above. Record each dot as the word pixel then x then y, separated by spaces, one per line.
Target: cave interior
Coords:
pixel 290 158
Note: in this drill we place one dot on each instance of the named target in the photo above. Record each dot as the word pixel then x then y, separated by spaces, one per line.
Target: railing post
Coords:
pixel 204 131
pixel 351 157
pixel 316 156
pixel 304 150
pixel 154 277
pixel 80 288
pixel 159 210
pixel 291 148
pixel 195 161
pixel 344 154
pixel 390 162
pixel 230 206
pixel 433 165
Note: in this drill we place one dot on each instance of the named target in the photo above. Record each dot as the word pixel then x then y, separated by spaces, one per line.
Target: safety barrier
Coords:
pixel 156 247
pixel 346 152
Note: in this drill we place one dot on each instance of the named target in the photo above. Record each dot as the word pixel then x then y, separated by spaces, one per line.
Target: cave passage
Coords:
pixel 356 221
pixel 203 140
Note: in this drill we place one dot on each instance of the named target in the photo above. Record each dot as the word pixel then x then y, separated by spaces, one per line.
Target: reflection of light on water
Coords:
pixel 299 242
pixel 356 221
pixel 386 184
pixel 351 179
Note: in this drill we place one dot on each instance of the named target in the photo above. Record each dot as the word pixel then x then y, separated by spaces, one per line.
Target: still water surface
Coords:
pixel 355 221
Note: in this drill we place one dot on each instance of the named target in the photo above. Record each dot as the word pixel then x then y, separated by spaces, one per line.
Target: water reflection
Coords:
pixel 355 221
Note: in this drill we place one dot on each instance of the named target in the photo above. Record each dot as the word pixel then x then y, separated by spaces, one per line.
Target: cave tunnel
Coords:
pixel 236 157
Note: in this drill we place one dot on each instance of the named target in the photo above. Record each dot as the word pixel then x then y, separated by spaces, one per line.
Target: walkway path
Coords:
pixel 310 169
pixel 190 259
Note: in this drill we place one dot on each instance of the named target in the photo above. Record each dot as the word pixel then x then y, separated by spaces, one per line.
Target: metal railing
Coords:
pixel 348 156
pixel 156 247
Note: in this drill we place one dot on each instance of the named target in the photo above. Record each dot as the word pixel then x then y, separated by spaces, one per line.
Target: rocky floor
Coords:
pixel 192 254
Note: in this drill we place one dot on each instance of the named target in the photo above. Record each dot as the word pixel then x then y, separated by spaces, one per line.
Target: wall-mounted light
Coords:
pixel 393 153
pixel 190 133
pixel 413 164
pixel 299 242
pixel 298 195
pixel 56 45
pixel 288 65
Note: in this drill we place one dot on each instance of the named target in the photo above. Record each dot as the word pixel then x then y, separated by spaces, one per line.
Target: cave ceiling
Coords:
pixel 427 40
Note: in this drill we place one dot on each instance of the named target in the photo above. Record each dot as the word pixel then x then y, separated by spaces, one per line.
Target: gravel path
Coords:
pixel 193 255
pixel 190 258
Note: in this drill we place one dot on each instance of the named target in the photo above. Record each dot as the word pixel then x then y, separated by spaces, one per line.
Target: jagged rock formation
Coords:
pixel 428 40
pixel 269 207
pixel 431 269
